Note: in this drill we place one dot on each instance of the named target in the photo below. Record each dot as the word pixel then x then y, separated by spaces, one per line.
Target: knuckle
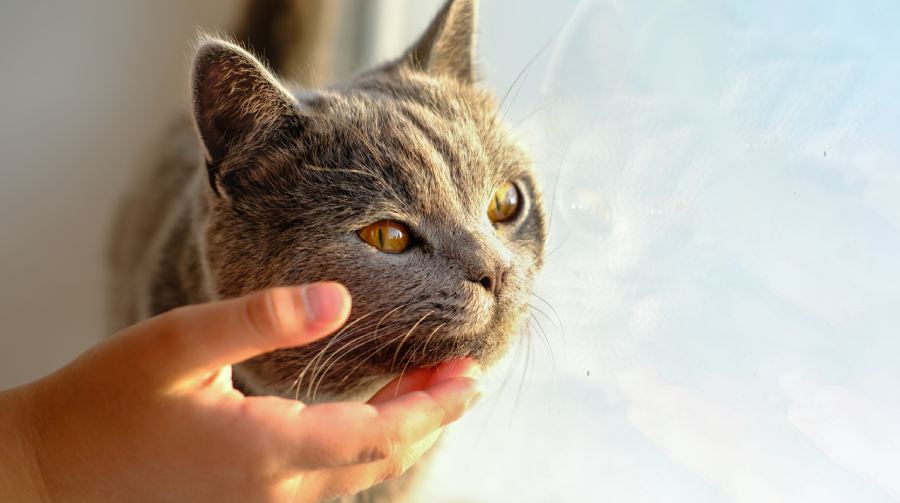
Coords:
pixel 380 450
pixel 259 313
pixel 392 445
pixel 382 446
pixel 394 468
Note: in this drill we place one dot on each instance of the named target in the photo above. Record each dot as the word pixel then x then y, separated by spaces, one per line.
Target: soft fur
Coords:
pixel 281 181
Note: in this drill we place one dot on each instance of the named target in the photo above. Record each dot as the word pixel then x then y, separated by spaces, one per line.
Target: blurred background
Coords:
pixel 718 319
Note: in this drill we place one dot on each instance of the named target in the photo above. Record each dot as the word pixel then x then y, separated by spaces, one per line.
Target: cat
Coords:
pixel 401 183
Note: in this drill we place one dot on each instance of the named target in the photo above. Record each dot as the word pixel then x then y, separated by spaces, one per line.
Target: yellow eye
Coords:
pixel 504 203
pixel 386 235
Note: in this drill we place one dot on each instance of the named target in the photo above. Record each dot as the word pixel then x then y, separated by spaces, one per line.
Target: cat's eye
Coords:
pixel 504 202
pixel 386 235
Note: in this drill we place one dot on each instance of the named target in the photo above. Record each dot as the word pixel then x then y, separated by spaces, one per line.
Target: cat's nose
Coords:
pixel 492 280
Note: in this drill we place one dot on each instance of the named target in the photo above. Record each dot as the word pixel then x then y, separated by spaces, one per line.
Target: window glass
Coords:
pixel 718 317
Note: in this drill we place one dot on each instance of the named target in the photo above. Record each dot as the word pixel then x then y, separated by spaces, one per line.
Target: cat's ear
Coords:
pixel 235 98
pixel 448 45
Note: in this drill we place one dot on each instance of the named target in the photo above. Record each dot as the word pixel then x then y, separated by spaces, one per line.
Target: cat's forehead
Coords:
pixel 438 145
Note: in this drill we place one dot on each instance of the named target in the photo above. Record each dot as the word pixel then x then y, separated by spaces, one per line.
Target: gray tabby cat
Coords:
pixel 400 183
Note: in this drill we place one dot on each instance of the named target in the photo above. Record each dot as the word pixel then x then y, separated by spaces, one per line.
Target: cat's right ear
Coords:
pixel 235 99
pixel 448 45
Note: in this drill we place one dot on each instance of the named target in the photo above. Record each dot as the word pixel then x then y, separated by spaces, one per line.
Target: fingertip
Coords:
pixel 414 380
pixel 474 398
pixel 469 390
pixel 296 314
pixel 463 385
pixel 455 396
pixel 462 367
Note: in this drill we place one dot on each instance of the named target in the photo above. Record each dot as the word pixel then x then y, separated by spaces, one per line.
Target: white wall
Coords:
pixel 85 89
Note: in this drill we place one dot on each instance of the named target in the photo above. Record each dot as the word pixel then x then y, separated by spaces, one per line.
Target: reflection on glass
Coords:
pixel 724 268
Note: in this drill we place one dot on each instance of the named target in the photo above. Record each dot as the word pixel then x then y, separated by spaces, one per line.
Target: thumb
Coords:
pixel 194 340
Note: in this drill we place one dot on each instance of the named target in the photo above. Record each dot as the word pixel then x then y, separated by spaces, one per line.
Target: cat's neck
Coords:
pixel 180 275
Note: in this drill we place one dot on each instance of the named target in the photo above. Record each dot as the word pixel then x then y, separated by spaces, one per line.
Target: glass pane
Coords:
pixel 718 318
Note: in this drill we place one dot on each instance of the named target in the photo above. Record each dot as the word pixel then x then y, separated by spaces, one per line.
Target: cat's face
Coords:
pixel 414 148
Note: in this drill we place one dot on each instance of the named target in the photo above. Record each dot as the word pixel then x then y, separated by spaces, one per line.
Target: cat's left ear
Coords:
pixel 235 98
pixel 448 45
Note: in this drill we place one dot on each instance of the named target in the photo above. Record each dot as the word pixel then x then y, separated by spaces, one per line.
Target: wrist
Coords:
pixel 21 478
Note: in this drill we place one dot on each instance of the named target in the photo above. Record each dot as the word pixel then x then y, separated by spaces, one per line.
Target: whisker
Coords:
pixel 525 69
pixel 411 357
pixel 525 374
pixel 529 115
pixel 513 362
pixel 428 339
pixel 559 246
pixel 334 356
pixel 559 322
pixel 411 330
pixel 543 336
pixel 555 320
pixel 371 353
pixel 562 162
pixel 340 170
pixel 324 349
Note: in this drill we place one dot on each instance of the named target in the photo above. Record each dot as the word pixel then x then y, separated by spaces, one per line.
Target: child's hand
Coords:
pixel 150 414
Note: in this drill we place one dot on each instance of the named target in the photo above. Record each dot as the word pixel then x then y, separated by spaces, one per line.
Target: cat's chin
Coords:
pixel 485 347
pixel 360 380
pixel 327 371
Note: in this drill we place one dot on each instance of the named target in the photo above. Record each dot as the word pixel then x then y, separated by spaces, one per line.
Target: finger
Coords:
pixel 334 483
pixel 195 340
pixel 462 367
pixel 372 433
pixel 347 433
pixel 406 383
pixel 421 378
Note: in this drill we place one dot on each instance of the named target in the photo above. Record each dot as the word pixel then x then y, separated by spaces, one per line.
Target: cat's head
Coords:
pixel 401 183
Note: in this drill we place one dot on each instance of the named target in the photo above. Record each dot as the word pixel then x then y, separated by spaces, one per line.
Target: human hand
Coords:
pixel 151 414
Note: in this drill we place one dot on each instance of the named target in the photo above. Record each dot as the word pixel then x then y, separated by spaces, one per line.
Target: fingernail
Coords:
pixel 474 371
pixel 463 367
pixel 474 399
pixel 323 302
